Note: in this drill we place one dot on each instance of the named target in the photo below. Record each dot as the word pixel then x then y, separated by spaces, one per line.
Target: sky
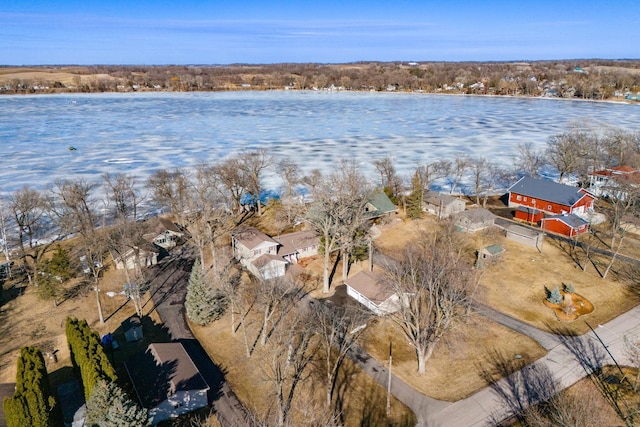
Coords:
pixel 147 32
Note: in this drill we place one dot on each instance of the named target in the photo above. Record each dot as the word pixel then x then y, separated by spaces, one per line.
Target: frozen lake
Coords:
pixel 141 132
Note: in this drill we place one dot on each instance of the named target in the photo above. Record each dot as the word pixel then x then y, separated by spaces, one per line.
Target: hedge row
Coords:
pixel 32 402
pixel 87 355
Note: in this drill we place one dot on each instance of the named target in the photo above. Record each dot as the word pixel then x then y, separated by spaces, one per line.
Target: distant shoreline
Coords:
pixel 470 95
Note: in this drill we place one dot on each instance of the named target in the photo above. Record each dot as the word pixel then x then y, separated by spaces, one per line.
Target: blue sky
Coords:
pixel 35 32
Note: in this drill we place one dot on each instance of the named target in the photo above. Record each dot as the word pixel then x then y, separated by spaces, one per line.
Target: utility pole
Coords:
pixel 389 379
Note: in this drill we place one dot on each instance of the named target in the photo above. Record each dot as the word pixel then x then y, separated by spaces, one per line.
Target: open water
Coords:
pixel 141 132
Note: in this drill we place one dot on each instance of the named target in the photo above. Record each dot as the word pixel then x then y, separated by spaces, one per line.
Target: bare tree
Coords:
pixel 457 171
pixel 29 208
pixel 253 164
pixel 75 208
pixel 232 180
pixel 275 298
pixel 337 211
pixel 622 212
pixel 564 151
pixel 168 189
pixel 287 358
pixel 390 182
pixel 123 194
pixel 290 174
pixel 529 160
pixel 126 241
pixel 209 218
pixel 435 287
pixel 338 329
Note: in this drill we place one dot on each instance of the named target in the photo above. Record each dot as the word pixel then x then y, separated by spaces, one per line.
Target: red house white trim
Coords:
pixel 535 196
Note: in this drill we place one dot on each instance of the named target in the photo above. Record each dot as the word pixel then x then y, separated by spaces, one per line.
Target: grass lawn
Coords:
pixel 451 373
pixel 364 401
pixel 516 285
pixel 27 320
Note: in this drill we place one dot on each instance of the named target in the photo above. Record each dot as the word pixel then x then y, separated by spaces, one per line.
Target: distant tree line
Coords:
pixel 585 79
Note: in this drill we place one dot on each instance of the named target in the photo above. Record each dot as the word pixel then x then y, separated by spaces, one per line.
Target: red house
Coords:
pixel 534 198
pixel 568 225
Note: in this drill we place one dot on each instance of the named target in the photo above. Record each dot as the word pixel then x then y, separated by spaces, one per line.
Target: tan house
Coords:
pixel 145 257
pixel 249 244
pixel 298 245
pixel 441 205
pixel 369 289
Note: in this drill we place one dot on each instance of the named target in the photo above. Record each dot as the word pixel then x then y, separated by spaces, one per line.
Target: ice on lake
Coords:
pixel 141 132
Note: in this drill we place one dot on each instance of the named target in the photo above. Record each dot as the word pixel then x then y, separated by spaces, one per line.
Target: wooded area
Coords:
pixel 584 79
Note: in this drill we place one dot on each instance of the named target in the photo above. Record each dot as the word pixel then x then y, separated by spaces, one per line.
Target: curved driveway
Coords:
pixel 168 291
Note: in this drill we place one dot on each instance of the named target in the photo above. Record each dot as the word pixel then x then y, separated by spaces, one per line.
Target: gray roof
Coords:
pixel 434 198
pixel 265 259
pixel 477 215
pixel 251 237
pixel 550 191
pixel 573 221
pixel 292 242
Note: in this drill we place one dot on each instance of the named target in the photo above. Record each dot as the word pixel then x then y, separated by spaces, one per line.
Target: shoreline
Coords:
pixel 416 92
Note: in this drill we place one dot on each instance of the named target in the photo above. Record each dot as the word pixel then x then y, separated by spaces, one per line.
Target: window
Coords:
pixel 518 197
pixel 256 251
pixel 549 207
pixel 525 199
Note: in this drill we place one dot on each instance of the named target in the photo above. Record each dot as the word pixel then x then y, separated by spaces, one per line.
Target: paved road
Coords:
pixel 566 362
pixel 168 290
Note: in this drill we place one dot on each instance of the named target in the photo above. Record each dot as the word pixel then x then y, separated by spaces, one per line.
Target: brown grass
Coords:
pixel 27 320
pixel 452 372
pixel 516 285
pixel 247 376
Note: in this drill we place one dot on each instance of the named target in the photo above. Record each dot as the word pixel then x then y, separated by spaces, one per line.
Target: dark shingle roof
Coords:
pixel 550 191
pixel 162 370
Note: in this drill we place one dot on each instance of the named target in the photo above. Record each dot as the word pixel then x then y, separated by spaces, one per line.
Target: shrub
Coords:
pixel 555 297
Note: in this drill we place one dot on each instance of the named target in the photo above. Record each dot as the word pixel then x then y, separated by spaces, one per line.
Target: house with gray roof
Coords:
pixel 550 197
pixel 441 205
pixel 298 245
pixel 473 220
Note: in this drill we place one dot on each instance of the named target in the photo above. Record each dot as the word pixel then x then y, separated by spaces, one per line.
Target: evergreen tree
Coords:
pixel 555 297
pixel 87 355
pixel 203 303
pixel 60 264
pixel 32 403
pixel 414 201
pixel 110 406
